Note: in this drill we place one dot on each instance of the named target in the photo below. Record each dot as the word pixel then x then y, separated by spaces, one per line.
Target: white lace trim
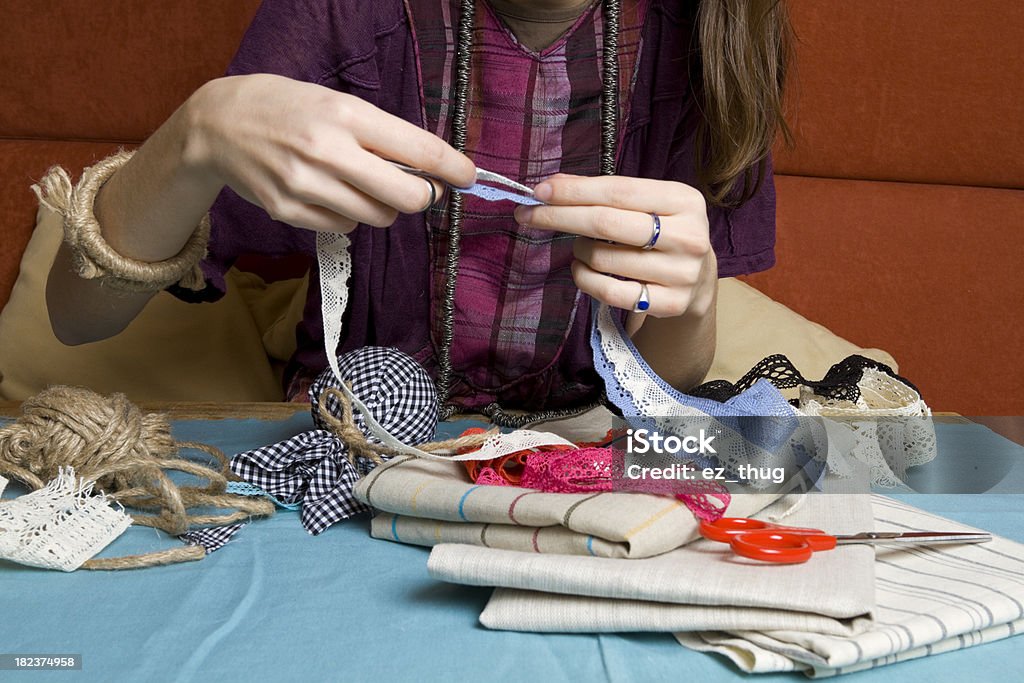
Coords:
pixel 335 269
pixel 335 263
pixel 500 445
pixel 60 526
pixel 887 446
pixel 649 398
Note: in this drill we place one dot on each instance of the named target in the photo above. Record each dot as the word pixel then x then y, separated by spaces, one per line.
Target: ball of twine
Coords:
pixel 127 453
pixel 105 439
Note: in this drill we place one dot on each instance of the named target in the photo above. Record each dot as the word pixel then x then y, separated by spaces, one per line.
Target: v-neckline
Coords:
pixel 539 55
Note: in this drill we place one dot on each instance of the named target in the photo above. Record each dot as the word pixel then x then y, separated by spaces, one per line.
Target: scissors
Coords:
pixel 792 545
pixel 489 185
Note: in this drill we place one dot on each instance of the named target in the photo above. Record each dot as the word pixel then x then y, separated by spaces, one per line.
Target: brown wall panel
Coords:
pixel 111 70
pixel 925 91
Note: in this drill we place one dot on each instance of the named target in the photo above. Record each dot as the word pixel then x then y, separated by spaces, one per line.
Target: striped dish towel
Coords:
pixel 703 575
pixel 929 601
pixel 431 502
pixel 510 609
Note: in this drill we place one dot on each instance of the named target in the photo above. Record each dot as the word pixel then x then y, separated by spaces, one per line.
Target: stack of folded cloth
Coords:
pixel 614 562
pixel 430 502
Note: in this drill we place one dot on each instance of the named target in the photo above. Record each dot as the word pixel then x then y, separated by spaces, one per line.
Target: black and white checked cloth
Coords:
pixel 212 538
pixel 313 468
pixel 397 391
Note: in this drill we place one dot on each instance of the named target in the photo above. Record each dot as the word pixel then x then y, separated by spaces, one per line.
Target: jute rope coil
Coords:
pixel 127 453
pixel 109 441
pixel 93 257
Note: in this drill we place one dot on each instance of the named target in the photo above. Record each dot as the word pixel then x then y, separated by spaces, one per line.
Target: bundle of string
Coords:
pixel 109 441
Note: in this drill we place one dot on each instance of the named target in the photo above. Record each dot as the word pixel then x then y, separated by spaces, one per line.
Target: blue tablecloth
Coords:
pixel 279 604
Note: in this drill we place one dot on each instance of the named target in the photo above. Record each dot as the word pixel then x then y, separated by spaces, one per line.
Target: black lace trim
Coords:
pixel 839 383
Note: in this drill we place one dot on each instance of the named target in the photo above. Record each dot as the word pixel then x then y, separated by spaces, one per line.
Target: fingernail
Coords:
pixel 523 214
pixel 543 191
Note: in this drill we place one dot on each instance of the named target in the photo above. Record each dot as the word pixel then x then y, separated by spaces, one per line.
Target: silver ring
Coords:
pixel 433 196
pixel 655 233
pixel 643 302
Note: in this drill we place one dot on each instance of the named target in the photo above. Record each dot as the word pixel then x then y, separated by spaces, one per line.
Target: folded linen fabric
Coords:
pixel 929 600
pixel 510 609
pixel 631 525
pixel 702 573
pixel 430 532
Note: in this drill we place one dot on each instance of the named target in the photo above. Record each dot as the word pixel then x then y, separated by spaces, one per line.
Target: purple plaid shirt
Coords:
pixel 521 327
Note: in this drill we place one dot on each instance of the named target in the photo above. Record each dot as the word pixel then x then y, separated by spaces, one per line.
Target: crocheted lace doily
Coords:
pixel 59 526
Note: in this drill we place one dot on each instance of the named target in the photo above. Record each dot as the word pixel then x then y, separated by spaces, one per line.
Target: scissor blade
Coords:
pixel 916 537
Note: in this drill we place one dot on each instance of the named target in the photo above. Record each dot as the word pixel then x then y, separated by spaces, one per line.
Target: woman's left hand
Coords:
pixel 612 217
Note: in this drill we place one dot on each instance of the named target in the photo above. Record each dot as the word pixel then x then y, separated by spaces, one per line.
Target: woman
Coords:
pixel 644 126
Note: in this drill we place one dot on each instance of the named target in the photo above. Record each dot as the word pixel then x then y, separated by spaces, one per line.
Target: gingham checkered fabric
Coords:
pixel 212 538
pixel 313 467
pixel 395 388
pixel 310 468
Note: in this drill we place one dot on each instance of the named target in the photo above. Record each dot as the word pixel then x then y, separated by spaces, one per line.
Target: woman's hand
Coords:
pixel 612 217
pixel 311 156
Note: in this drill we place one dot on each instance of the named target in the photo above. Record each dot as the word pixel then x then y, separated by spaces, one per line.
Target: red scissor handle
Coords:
pixel 724 529
pixel 780 547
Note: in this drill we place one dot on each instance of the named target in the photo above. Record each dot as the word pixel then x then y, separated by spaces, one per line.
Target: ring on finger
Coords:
pixel 643 302
pixel 655 232
pixel 433 196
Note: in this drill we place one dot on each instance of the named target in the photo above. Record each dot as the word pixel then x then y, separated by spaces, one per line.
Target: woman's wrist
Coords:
pixel 151 211
pixel 194 124
pixel 149 208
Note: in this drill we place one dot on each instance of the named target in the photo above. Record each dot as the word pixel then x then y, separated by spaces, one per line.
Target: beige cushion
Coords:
pixel 233 350
pixel 172 352
pixel 752 326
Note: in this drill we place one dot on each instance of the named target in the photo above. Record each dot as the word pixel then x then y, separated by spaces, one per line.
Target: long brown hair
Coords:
pixel 744 56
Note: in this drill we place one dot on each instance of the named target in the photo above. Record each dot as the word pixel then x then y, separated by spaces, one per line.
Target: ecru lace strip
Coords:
pixel 888 429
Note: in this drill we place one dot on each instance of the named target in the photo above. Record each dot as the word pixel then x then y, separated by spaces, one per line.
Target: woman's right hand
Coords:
pixel 313 157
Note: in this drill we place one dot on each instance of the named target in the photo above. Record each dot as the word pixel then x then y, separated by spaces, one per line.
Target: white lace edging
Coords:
pixel 59 526
pixel 879 430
